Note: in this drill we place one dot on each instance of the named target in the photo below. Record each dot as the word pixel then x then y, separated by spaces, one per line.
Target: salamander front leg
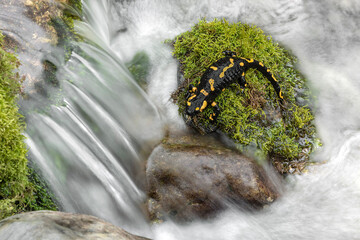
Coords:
pixel 192 90
pixel 241 80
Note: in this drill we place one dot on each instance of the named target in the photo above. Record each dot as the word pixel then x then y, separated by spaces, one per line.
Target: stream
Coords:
pixel 92 146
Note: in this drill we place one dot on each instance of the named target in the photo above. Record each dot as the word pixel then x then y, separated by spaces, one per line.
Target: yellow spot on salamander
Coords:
pixel 194 89
pixel 274 78
pixel 280 94
pixel 243 74
pixel 213 104
pixel 268 70
pixel 204 105
pixel 204 92
pixel 197 109
pixel 251 60
pixel 226 68
pixel 189 104
pixel 261 64
pixel 212 82
pixel 242 64
pixel 191 97
pixel 211 116
pixel 214 68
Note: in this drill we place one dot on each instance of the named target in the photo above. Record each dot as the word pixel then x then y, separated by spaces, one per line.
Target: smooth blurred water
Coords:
pixel 92 149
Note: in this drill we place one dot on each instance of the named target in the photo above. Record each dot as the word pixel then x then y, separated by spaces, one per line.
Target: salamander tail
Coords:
pixel 267 73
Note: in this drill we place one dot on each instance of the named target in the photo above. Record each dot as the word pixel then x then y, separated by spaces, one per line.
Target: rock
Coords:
pixel 191 177
pixel 253 116
pixel 59 225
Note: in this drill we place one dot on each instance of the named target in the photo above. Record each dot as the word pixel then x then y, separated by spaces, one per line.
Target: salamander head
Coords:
pixel 229 53
pixel 195 104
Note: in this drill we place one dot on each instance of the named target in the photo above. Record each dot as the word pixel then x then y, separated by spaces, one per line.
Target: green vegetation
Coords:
pixel 139 67
pixel 14 185
pixel 17 194
pixel 42 198
pixel 64 26
pixel 253 117
pixel 74 12
pixel 21 188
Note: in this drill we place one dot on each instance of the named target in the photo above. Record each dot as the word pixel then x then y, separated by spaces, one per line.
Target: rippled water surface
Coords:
pixel 93 146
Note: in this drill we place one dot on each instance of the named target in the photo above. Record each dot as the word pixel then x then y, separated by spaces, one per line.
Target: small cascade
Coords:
pixel 92 145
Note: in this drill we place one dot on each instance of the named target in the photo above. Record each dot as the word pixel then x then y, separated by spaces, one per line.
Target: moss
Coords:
pixel 17 192
pixel 21 188
pixel 15 188
pixel 252 117
pixel 43 198
pixel 63 24
pixel 75 5
pixel 71 12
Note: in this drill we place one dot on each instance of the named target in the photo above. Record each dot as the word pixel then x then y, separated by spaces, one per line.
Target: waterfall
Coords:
pixel 92 145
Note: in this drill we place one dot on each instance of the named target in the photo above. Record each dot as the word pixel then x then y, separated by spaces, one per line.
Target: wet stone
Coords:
pixel 60 225
pixel 192 177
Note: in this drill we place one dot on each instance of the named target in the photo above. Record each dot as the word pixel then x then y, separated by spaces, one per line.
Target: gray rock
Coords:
pixel 59 225
pixel 191 177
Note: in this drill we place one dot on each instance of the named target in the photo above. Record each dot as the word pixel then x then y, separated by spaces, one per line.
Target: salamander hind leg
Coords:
pixel 216 112
pixel 212 126
pixel 241 80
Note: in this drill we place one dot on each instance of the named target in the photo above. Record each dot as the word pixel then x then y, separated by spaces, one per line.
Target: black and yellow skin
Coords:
pixel 218 76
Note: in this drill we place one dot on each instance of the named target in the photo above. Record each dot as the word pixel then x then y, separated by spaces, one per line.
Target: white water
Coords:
pixel 324 35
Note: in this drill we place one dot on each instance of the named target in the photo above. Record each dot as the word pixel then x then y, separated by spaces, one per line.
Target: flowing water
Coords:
pixel 92 146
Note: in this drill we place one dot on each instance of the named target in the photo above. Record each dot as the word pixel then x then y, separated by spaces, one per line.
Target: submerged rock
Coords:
pixel 139 67
pixel 59 225
pixel 191 177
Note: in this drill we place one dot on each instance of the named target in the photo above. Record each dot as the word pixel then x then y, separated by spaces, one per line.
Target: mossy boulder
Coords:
pixel 253 117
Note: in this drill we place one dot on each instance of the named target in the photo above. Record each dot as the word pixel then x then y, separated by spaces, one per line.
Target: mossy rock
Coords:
pixel 14 185
pixel 253 117
pixel 18 193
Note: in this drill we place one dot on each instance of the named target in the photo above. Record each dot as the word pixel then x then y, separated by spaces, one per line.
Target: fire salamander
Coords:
pixel 220 75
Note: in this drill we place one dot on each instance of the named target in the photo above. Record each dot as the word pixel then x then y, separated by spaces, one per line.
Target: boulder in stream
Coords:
pixel 59 225
pixel 251 115
pixel 193 177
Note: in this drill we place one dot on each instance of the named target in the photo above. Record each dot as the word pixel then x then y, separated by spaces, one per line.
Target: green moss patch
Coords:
pixel 14 185
pixel 253 117
pixel 17 193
